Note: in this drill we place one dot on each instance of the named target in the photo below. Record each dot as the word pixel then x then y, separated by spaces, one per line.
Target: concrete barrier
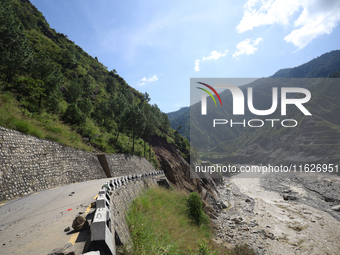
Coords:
pixel 103 235
pixel 119 181
pixel 103 200
pixel 101 238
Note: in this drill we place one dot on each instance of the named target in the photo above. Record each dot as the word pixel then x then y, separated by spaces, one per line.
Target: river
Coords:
pixel 271 225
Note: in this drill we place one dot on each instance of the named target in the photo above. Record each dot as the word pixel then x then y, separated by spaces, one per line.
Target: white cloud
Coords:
pixel 197 65
pixel 261 12
pixel 314 20
pixel 316 17
pixel 247 47
pixel 213 55
pixel 145 80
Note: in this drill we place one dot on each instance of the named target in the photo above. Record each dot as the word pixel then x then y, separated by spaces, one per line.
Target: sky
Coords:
pixel 158 45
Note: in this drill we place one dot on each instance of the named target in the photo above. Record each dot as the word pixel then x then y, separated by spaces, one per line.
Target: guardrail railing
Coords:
pixel 102 234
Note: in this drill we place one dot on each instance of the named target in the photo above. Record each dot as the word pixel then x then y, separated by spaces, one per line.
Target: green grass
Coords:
pixel 44 126
pixel 48 126
pixel 159 224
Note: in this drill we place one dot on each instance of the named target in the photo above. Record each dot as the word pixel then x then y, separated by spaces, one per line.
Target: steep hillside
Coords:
pixel 52 89
pixel 53 82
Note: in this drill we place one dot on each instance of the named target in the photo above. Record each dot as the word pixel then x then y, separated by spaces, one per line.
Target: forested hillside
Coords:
pixel 326 65
pixel 315 139
pixel 179 121
pixel 53 89
pixel 322 66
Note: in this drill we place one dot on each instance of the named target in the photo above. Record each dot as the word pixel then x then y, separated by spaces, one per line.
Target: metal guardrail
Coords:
pixel 102 235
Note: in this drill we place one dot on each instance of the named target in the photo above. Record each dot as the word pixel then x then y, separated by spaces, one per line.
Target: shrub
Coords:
pixel 36 132
pixel 73 115
pixel 204 249
pixel 22 126
pixel 195 207
pixel 243 249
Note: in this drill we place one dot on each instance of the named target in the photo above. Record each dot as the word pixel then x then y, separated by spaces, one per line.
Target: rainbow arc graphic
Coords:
pixel 207 91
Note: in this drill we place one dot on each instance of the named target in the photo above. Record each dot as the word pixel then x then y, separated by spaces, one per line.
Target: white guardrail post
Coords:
pixel 102 238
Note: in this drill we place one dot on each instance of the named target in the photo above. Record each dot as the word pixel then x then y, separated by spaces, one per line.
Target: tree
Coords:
pixel 128 95
pixel 121 121
pixel 118 103
pixel 85 105
pixel 135 123
pixel 75 91
pixel 29 92
pixel 146 97
pixel 110 84
pixel 158 114
pixel 73 115
pixel 195 207
pixel 14 48
pixel 49 72
pixel 104 116
pixel 120 110
pixel 165 123
pixel 88 86
pixel 150 125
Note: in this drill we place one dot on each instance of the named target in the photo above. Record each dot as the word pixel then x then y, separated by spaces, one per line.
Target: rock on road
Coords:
pixel 35 224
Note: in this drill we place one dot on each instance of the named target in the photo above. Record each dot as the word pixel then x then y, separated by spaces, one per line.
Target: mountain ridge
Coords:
pixel 175 116
pixel 245 145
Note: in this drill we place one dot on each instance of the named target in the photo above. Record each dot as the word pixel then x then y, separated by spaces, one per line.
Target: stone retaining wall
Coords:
pixel 29 164
pixel 126 164
pixel 121 200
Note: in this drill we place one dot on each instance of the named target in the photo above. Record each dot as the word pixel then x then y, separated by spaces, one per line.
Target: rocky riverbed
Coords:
pixel 295 214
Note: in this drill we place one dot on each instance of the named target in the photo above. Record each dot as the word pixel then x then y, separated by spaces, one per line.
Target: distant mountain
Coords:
pixel 314 140
pixel 322 66
pixel 180 119
pixel 248 145
pixel 173 115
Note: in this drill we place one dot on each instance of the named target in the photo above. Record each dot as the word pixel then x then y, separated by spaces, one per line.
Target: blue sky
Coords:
pixel 157 45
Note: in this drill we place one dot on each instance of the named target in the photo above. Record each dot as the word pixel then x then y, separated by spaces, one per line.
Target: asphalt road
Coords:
pixel 34 225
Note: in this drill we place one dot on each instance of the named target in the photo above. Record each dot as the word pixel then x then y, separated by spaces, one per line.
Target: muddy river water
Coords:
pixel 267 222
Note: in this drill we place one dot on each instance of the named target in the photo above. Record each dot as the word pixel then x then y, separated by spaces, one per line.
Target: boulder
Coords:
pixel 80 223
pixel 289 197
pixel 221 204
pixel 68 249
pixel 336 208
pixel 236 219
